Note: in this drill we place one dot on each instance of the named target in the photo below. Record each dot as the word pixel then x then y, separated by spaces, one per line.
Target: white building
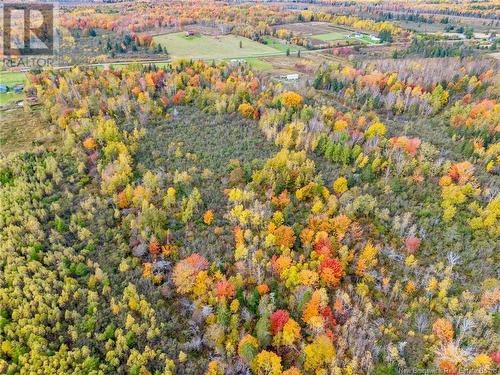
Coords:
pixel 291 77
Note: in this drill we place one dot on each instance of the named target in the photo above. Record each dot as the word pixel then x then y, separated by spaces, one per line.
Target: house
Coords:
pixel 18 89
pixel 32 100
pixel 190 33
pixel 3 88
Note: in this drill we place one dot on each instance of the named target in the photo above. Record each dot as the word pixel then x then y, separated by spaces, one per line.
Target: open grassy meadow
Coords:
pixel 331 36
pixel 276 43
pixel 9 97
pixel 259 64
pixel 11 79
pixel 212 47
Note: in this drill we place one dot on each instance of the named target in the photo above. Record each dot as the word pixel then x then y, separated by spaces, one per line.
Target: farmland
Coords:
pixel 313 28
pixel 198 46
pixel 11 79
pixel 280 45
pixel 331 36
pixel 316 34
pixel 259 64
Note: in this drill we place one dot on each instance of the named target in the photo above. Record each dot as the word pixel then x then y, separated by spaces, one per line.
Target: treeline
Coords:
pixel 397 92
pixel 435 48
pixel 131 42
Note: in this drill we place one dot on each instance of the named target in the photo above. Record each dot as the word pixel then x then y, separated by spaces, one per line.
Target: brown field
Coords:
pixel 306 65
pixel 205 30
pixel 312 28
pixel 21 131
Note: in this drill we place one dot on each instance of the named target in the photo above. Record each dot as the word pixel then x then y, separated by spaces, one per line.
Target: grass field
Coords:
pixel 11 79
pixel 331 36
pixel 210 47
pixel 197 142
pixel 259 64
pixel 10 97
pixel 366 39
pixel 275 43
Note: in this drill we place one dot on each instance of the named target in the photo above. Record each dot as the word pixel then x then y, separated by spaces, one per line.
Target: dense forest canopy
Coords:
pixel 321 210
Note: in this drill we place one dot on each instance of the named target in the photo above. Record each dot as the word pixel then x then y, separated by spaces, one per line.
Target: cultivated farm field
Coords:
pixel 179 45
pixel 331 36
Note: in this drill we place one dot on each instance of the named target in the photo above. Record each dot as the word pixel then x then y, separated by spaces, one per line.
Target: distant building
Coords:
pixel 374 38
pixel 291 77
pixel 190 33
pixel 32 100
pixel 18 89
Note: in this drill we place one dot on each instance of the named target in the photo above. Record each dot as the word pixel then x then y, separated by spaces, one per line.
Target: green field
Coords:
pixel 9 97
pixel 210 47
pixel 328 37
pixel 11 79
pixel 366 39
pixel 331 36
pixel 259 64
pixel 275 43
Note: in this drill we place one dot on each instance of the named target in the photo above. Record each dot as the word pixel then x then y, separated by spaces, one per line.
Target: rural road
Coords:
pixel 167 60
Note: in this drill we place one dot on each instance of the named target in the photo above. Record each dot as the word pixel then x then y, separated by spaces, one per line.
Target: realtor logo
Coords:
pixel 28 29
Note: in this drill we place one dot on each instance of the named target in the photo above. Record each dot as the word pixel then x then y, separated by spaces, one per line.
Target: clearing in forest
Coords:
pixel 200 46
pixel 212 153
